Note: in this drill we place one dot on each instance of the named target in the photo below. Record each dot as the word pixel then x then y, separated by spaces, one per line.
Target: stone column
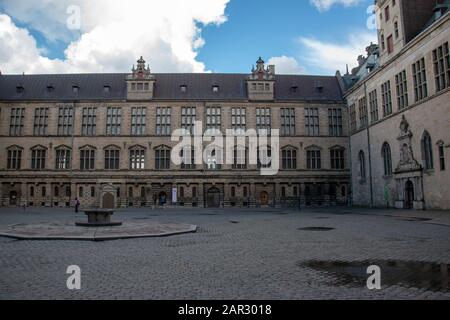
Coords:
pixel 23 194
pixel 49 195
pixel 302 194
pixel 201 195
pixel 122 201
pixel 252 195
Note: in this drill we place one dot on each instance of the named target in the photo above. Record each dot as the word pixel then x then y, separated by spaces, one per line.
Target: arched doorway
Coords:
pixel 108 201
pixel 409 195
pixel 162 198
pixel 13 198
pixel 213 198
pixel 264 198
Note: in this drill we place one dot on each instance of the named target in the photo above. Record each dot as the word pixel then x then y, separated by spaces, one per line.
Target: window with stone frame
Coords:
pixel 38 158
pixel 188 118
pixel 138 121
pixel 239 158
pixel 441 63
pixel 337 158
pixel 162 158
pixel 263 121
pixel 352 113
pixel 239 120
pixel 213 118
pixel 387 159
pixel 89 121
pixel 363 116
pixel 264 157
pixel 427 151
pixel 313 159
pixel 373 105
pixel 65 121
pixel 187 155
pixel 40 121
pixel 214 159
pixel 335 122
pixel 386 95
pixel 289 158
pixel 87 158
pixel 420 80
pixel 402 90
pixel 16 121
pixel 14 158
pixel 163 121
pixel 113 121
pixel 137 158
pixel 62 158
pixel 312 121
pixel 287 121
pixel 112 158
pixel 362 166
pixel 441 152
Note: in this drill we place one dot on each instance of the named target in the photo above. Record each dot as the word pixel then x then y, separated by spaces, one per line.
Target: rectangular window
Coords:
pixel 112 158
pixel 313 161
pixel 163 121
pixel 402 90
pixel 420 80
pixel 363 121
pixel 335 122
pixel 188 117
pixel 138 121
pixel 337 159
pixel 263 121
pixel 386 95
pixel 65 121
pixel 287 121
pixel 137 159
pixel 62 161
pixel 396 30
pixel 87 159
pixel 113 121
pixel 373 105
pixel 441 62
pixel 312 121
pixel 289 159
pixel 390 44
pixel 89 121
pixel 16 121
pixel 441 157
pixel 14 159
pixel 353 124
pixel 162 159
pixel 386 13
pixel 238 120
pixel 188 159
pixel 239 158
pixel 40 121
pixel 213 118
pixel 38 159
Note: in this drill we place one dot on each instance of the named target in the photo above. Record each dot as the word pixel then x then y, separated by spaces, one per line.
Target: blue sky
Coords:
pixel 294 34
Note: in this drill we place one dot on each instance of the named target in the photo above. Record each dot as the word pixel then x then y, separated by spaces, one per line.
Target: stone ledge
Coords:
pixel 68 231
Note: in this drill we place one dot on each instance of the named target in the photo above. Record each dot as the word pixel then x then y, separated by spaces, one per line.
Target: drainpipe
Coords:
pixel 368 146
pixel 350 189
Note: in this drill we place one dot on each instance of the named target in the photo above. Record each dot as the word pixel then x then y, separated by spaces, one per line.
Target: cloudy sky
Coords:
pixel 298 36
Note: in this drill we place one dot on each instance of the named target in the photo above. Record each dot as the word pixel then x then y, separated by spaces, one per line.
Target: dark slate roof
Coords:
pixel 167 87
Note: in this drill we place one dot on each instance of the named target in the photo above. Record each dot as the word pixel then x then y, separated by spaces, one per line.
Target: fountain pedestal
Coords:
pixel 98 218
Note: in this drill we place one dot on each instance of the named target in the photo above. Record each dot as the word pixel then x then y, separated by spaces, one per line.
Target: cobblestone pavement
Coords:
pixel 236 254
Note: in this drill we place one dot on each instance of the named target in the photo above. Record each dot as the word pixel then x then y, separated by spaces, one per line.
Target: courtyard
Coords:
pixel 313 253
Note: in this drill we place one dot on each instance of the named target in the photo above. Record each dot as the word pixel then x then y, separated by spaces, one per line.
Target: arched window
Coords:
pixel 362 166
pixel 427 151
pixel 387 159
pixel 289 158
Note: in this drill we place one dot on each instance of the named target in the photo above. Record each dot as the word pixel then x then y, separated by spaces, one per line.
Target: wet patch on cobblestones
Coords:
pixel 410 274
pixel 316 229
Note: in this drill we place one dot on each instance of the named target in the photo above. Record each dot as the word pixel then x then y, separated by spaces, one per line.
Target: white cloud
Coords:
pixel 324 5
pixel 113 34
pixel 286 65
pixel 330 57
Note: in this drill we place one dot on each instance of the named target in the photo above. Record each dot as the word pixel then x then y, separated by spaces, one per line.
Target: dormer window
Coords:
pixel 294 89
pixel 20 89
pixel 319 88
pixel 183 88
pixel 106 89
pixel 75 89
pixel 50 88
pixel 215 88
